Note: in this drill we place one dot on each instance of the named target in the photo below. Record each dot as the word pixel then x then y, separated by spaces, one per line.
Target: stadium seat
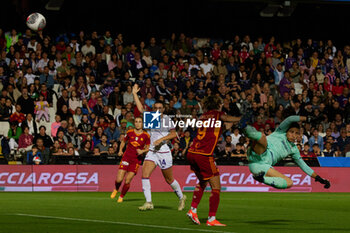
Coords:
pixel 4 128
pixel 54 102
pixel 55 88
pixel 52 112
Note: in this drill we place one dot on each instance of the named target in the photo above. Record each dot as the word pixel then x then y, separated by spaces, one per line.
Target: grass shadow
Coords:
pixel 272 222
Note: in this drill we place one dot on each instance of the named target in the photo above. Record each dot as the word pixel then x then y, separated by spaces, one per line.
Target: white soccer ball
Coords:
pixel 36 21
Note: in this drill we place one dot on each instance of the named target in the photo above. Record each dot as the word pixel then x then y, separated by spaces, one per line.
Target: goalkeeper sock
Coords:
pixel 276 182
pixel 124 190
pixel 214 202
pixel 117 185
pixel 177 189
pixel 146 187
pixel 197 196
pixel 252 133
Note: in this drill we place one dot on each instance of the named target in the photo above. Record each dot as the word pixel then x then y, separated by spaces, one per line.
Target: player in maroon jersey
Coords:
pixel 200 157
pixel 138 143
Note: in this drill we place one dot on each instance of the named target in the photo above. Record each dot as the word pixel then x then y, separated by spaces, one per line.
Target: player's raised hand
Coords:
pixel 135 89
pixel 326 183
pixel 120 153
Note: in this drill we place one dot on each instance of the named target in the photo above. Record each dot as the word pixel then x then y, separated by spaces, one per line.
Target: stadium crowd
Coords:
pixel 71 95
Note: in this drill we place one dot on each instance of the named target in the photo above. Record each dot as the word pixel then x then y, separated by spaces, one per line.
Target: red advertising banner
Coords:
pixel 100 178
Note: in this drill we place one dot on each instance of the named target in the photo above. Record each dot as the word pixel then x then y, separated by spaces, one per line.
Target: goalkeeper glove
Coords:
pixel 326 183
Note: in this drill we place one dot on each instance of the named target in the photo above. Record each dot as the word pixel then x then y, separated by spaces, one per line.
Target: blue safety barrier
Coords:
pixel 334 161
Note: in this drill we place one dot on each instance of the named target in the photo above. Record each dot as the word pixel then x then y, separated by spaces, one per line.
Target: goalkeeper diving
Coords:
pixel 266 151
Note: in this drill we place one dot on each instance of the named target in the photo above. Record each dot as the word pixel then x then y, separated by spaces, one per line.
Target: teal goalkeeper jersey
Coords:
pixel 279 147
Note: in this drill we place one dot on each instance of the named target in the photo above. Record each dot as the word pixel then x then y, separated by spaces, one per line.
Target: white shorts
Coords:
pixel 162 159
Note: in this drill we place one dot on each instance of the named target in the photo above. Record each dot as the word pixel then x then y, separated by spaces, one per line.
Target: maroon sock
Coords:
pixel 197 195
pixel 117 185
pixel 214 202
pixel 124 190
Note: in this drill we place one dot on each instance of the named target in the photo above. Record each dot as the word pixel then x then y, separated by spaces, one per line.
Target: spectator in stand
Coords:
pixel 235 136
pixel 17 116
pixel 137 64
pixel 30 122
pixel 286 84
pixel 226 153
pixel 46 78
pixel 55 126
pixel 13 135
pixel 42 109
pixel 103 145
pixel 337 87
pixel 343 140
pixel 223 143
pixel 278 73
pixel 307 152
pixel 26 103
pixel 239 151
pixel 25 141
pixel 112 132
pixel 72 137
pixel 185 141
pixel 316 150
pixel 31 155
pixel 328 151
pixel 259 124
pixel 85 149
pixel 316 139
pixel 45 151
pixel 88 48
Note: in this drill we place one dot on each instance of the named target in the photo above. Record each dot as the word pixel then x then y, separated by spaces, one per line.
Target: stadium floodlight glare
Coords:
pixel 54 5
pixel 270 10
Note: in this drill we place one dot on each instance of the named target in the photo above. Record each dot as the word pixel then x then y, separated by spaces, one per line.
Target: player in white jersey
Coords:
pixel 158 155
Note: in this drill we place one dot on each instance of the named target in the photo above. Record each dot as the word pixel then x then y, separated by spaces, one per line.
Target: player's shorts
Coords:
pixel 162 159
pixel 129 166
pixel 259 163
pixel 203 166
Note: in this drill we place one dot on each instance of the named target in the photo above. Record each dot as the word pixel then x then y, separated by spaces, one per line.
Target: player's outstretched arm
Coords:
pixel 318 178
pixel 135 90
pixel 229 118
pixel 301 163
pixel 284 126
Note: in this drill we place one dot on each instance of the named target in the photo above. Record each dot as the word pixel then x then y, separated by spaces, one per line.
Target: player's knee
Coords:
pixel 169 180
pixel 199 187
pixel 119 180
pixel 146 174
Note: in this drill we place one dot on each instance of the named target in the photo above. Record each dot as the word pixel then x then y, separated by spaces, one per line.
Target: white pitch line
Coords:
pixel 120 223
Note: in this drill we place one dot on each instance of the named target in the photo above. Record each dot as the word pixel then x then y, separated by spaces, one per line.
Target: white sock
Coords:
pixel 146 187
pixel 177 189
pixel 212 218
pixel 194 210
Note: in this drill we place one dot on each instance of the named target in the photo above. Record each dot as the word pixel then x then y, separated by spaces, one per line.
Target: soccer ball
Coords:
pixel 36 21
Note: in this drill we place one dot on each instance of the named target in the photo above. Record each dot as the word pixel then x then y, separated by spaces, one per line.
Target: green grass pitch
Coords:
pixel 242 212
